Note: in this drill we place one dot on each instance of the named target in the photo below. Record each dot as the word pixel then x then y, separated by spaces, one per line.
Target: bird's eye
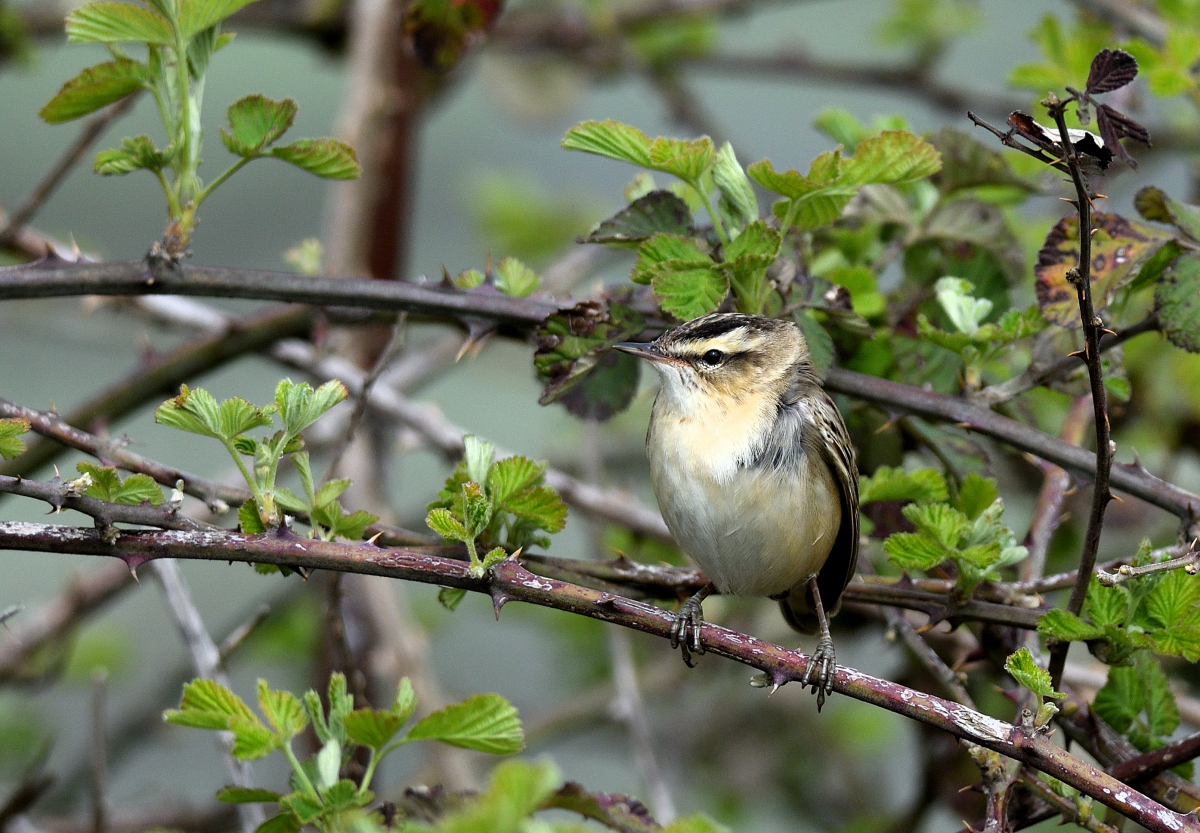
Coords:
pixel 713 358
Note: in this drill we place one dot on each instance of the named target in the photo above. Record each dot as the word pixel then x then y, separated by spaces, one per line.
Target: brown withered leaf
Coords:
pixel 575 360
pixel 1114 126
pixel 1111 69
pixel 1119 248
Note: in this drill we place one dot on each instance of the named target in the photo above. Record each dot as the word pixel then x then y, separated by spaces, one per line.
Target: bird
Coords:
pixel 754 472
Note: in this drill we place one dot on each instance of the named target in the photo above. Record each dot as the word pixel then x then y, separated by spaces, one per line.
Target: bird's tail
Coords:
pixel 800 611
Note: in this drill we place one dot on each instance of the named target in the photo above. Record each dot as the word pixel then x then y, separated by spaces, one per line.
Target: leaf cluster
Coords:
pixel 105 483
pixel 11 444
pixel 181 37
pixel 1025 670
pixel 499 506
pixel 320 796
pixel 296 408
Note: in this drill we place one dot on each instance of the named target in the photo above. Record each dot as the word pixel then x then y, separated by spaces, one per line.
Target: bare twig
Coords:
pixel 1048 511
pixel 1064 806
pixel 509 581
pixel 37 198
pixel 242 632
pixel 206 658
pixel 99 758
pixel 1081 277
pixel 1126 572
pixel 1158 760
pixel 928 657
pixel 61 496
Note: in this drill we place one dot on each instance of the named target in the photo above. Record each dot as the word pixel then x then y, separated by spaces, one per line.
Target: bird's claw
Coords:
pixel 820 671
pixel 685 632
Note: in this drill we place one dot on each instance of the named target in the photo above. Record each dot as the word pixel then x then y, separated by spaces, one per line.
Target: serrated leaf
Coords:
pixel 451 597
pixel 198 15
pixel 135 154
pixel 250 518
pixel 255 122
pixel 330 491
pixel 405 702
pixel 372 727
pixel 1066 627
pixel 344 795
pixel 206 704
pixel 668 252
pixel 285 822
pixel 1178 640
pixel 10 443
pixel 476 509
pixel 1121 699
pixel 108 21
pixel 446 525
pixel 940 521
pixel 283 710
pixel 197 412
pixel 1162 713
pixel 512 475
pixel 539 505
pixel 1025 670
pixel 1119 248
pixel 485 722
pixel 922 485
pixel 251 739
pixel 1173 599
pixel 893 157
pixel 246 795
pixel 612 139
pixel 658 212
pixel 327 158
pixel 1107 605
pixel 976 494
pixel 353 526
pixel 96 87
pixel 517 790
pixel 303 806
pixel 690 292
pixel 300 406
pixel 515 278
pixel 913 551
pixel 1177 302
pixel 735 186
pixel 747 259
pixel 136 489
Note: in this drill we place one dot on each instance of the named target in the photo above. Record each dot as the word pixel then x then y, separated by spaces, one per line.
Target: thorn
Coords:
pixel 606 600
pixel 1078 354
pixel 499 600
pixel 891 423
pixel 1111 496
pixel 374 539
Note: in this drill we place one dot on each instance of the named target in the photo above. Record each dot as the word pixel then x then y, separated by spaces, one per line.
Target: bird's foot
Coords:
pixel 820 671
pixel 685 633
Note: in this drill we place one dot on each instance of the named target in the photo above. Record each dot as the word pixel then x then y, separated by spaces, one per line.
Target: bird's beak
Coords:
pixel 643 350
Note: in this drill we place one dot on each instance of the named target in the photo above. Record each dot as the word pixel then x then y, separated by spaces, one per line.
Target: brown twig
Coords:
pixel 509 581
pixel 1093 325
pixel 99 754
pixel 1048 511
pixel 61 495
pixel 1125 572
pixel 1158 760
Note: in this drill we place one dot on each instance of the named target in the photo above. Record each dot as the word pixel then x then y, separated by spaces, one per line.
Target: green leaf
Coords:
pixel 446 525
pixel 664 252
pixel 841 126
pixel 747 259
pixel 690 292
pixel 344 794
pixel 251 739
pixel 820 343
pixel 612 139
pixel 305 807
pixel 476 509
pixel 1028 673
pixel 198 15
pixel 1155 204
pixel 250 518
pixel 328 761
pixel 695 824
pixel 206 704
pixel 1107 605
pixel 300 406
pixel 330 490
pixel 451 597
pixel 517 790
pixel 658 212
pixel 539 505
pixel 1173 599
pixel 285 822
pixel 197 412
pixel 405 702
pixel 921 485
pixel 1067 627
pixel 94 88
pixel 256 122
pixel 969 163
pixel 910 550
pixel 1162 713
pixel 371 727
pixel 515 278
pixel 135 154
pixel 486 722
pixel 10 443
pixel 138 488
pixel 283 710
pixel 1121 699
pixel 735 185
pixel 327 158
pixel 510 476
pixel 478 455
pixel 246 795
pixel 108 21
pixel 964 310
pixel 893 157
pixel 1177 299
pixel 940 521
pixel 469 279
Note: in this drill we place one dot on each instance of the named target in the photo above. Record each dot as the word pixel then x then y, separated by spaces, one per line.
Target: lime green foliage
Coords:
pixel 922 485
pixel 927 25
pixel 1138 702
pixel 181 37
pixel 501 506
pixel 104 483
pixel 322 798
pixel 517 217
pixel 1068 55
pixel 11 444
pixel 966 531
pixel 296 407
pixel 1025 670
pixel 1160 612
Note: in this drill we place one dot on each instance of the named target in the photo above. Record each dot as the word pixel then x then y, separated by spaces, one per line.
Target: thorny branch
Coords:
pixel 509 581
pixel 1093 326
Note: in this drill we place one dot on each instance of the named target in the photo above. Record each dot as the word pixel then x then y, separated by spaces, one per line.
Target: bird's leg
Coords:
pixel 685 633
pixel 822 666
